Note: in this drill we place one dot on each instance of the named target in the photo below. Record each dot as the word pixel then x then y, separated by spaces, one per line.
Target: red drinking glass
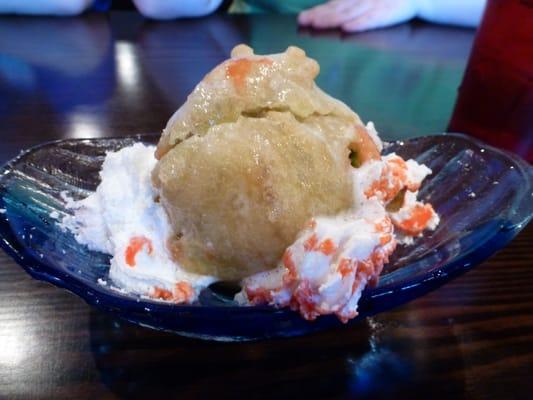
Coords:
pixel 495 101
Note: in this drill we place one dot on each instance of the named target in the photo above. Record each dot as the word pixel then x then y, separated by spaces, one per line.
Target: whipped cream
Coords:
pixel 123 219
pixel 334 258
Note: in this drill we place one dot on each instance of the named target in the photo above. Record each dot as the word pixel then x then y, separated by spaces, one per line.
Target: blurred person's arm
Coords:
pixel 169 9
pixel 44 7
pixel 361 15
pixel 452 12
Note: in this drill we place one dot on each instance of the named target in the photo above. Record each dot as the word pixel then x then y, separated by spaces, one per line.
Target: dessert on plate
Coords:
pixel 260 178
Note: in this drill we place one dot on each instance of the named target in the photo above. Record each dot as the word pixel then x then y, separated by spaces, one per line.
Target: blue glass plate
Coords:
pixel 483 195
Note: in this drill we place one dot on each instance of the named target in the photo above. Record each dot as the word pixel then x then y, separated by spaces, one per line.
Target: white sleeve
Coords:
pixel 453 12
pixel 40 7
pixel 169 9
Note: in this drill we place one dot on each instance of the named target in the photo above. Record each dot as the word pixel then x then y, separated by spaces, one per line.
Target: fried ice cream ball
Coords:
pixel 256 151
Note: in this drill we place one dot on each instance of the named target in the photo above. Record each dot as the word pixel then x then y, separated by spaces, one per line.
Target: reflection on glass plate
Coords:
pixel 483 195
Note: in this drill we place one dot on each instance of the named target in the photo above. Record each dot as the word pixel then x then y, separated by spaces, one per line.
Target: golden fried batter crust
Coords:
pixel 254 153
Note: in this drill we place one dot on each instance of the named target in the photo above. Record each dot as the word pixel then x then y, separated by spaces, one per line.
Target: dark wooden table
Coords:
pixel 115 75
